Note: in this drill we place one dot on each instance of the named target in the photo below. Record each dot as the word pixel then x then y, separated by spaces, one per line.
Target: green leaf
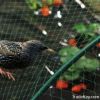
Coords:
pixel 63 52
pixel 80 28
pixel 50 2
pixel 68 51
pixel 78 66
pixel 90 34
pixel 87 64
pixel 32 4
pixel 71 75
pixel 83 64
pixel 64 59
pixel 91 64
pixel 94 27
pixel 72 68
pixel 39 3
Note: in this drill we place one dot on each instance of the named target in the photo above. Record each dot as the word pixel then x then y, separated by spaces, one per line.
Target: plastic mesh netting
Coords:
pixel 71 20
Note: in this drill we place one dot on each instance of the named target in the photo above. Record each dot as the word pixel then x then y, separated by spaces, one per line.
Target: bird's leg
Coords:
pixel 6 73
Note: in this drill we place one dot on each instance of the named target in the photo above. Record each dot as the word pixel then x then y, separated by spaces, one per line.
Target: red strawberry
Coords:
pixel 79 87
pixel 72 42
pixel 61 84
pixel 76 89
pixel 57 2
pixel 45 11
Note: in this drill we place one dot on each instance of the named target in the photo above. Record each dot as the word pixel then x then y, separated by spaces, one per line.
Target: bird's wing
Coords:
pixel 10 47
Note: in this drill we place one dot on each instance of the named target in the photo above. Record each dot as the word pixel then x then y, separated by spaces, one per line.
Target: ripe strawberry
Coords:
pixel 79 87
pixel 76 89
pixel 57 2
pixel 72 42
pixel 45 11
pixel 61 84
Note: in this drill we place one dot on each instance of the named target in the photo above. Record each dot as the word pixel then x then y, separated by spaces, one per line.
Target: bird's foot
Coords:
pixel 7 74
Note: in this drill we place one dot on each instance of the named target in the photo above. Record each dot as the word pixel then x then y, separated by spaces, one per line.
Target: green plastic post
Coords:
pixel 65 67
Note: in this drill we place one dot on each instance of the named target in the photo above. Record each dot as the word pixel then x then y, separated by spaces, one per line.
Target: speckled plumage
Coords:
pixel 19 54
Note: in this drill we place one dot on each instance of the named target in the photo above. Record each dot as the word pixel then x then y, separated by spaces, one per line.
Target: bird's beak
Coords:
pixel 49 50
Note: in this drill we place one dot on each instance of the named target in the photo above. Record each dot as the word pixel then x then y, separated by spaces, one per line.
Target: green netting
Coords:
pixel 19 22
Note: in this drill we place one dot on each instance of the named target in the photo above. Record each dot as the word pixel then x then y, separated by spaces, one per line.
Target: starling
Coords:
pixel 14 55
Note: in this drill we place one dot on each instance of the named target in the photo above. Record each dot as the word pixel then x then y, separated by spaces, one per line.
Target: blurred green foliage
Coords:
pixel 35 4
pixel 84 64
pixel 91 29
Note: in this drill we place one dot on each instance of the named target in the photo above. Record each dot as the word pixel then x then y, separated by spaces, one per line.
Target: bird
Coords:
pixel 18 55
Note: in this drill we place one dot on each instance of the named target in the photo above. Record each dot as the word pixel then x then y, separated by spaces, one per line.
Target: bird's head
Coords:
pixel 38 46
